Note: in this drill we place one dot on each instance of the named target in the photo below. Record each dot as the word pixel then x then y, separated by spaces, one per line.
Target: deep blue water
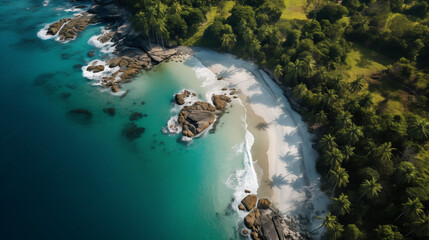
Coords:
pixel 61 179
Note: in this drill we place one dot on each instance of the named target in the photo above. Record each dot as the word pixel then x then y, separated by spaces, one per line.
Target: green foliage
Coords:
pixel 351 232
pixel 388 232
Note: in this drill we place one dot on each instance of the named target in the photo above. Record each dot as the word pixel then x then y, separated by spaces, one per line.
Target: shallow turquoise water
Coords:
pixel 61 179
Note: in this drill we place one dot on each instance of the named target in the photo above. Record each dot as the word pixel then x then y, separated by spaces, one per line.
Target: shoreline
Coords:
pixel 293 183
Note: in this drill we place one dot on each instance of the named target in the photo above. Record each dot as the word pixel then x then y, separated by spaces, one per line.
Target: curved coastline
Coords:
pixel 291 177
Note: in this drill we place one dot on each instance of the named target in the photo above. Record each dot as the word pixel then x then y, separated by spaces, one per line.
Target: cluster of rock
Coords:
pixel 263 222
pixel 196 118
pixel 69 28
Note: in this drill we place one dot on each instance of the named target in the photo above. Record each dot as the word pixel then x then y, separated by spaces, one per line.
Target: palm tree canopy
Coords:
pixel 406 172
pixel 370 188
pixel 413 209
pixel 341 204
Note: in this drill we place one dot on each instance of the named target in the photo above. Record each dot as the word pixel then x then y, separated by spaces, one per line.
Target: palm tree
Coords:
pixel 329 97
pixel 419 129
pixel 334 157
pixel 293 71
pixel 321 117
pixel 247 36
pixel 421 226
pixel 177 8
pixel 306 66
pixel 353 134
pixel 335 232
pixel 327 142
pixel 228 41
pixel 412 209
pixel 300 90
pixel 339 177
pixel 328 221
pixel 357 84
pixel 384 152
pixel 370 188
pixel 254 45
pixel 348 152
pixel 352 105
pixel 406 172
pixel 366 100
pixel 322 75
pixel 337 82
pixel 344 120
pixel 341 204
pixel 278 71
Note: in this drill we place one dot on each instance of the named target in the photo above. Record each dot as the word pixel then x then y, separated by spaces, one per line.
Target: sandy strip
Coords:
pixel 291 175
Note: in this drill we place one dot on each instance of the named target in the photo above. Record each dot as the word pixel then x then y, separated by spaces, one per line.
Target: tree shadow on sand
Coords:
pixel 278 181
pixel 263 126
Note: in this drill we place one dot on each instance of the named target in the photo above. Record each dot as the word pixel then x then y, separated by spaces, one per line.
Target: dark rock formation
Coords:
pixel 265 223
pixel 180 97
pixel 241 207
pixel 95 68
pixel 110 111
pixel 55 27
pixel 196 118
pixel 136 116
pixel 249 201
pixel 220 101
pixel 79 115
pixel 132 131
pixel 91 54
pixel 264 203
pixel 73 26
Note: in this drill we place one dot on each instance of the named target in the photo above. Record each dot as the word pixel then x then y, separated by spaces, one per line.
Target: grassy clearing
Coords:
pixel 294 10
pixel 214 12
pixel 387 96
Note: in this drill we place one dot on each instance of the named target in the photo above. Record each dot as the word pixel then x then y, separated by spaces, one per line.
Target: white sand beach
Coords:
pixel 291 159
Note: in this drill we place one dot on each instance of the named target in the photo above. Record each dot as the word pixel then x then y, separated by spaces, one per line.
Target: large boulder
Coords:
pixel 196 118
pixel 55 27
pixel 264 203
pixel 74 26
pixel 249 220
pixel 220 101
pixel 249 201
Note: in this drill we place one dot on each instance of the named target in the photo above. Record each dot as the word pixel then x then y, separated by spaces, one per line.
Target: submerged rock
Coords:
pixel 136 116
pixel 110 111
pixel 80 115
pixel 249 201
pixel 132 131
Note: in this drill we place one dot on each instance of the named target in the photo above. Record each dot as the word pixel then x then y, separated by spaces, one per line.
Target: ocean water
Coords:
pixel 64 178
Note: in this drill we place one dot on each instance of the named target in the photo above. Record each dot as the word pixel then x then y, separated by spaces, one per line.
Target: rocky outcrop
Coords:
pixel 264 203
pixel 106 37
pixel 95 68
pixel 196 118
pixel 159 54
pixel 220 101
pixel 75 25
pixel 180 97
pixel 265 223
pixel 249 201
pixel 55 27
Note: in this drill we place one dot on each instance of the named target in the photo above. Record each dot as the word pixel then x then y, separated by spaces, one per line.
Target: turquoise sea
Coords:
pixel 62 178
